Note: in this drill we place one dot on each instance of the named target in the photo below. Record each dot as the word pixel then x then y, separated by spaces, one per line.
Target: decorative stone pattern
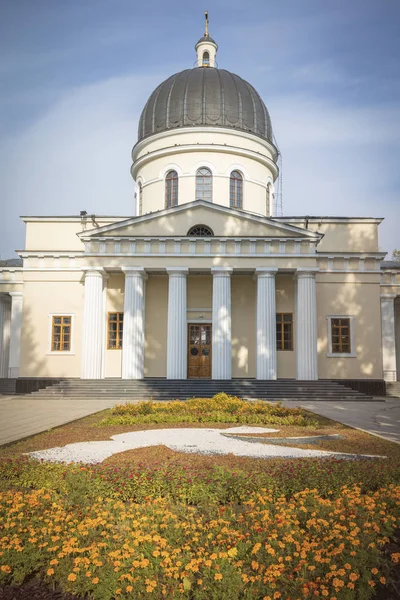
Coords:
pixel 177 326
pixel 221 324
pixel 306 319
pixel 134 324
pixel 266 324
pixel 93 321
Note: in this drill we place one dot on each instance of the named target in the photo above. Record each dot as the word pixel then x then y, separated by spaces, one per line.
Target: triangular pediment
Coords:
pixel 224 222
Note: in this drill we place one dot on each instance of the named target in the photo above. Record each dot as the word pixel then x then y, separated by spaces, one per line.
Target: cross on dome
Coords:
pixel 206 48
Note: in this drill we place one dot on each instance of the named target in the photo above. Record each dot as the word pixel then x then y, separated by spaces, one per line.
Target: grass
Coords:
pixel 162 524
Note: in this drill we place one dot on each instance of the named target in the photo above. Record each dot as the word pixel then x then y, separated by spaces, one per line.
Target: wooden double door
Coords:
pixel 199 350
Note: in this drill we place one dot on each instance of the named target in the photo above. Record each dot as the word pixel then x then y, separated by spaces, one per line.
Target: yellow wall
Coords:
pixel 361 300
pixel 41 298
pixel 115 303
pixel 243 298
pixel 286 359
pixel 155 360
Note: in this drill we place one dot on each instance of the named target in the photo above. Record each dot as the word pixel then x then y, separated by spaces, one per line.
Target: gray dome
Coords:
pixel 205 96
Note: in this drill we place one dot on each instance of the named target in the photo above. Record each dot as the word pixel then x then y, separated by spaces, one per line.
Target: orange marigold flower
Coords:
pixel 396 557
pixel 277 595
pixel 54 561
pixel 374 571
pixel 382 580
pixel 6 568
pixel 218 577
pixel 129 589
pixel 50 572
pixel 72 577
pixel 95 580
pixel 353 576
pixel 118 591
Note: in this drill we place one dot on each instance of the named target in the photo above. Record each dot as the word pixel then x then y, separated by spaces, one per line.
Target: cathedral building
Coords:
pixel 204 281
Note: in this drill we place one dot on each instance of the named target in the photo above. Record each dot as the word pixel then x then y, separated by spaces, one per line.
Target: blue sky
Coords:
pixel 75 74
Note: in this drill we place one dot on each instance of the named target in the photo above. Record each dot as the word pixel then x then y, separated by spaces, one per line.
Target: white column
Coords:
pixel 266 324
pixel 306 329
pixel 134 323
pixel 221 324
pixel 177 323
pixel 388 337
pixel 93 324
pixel 15 333
pixel 5 322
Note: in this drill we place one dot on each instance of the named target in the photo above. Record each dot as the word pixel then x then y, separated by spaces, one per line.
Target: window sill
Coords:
pixel 60 353
pixel 339 355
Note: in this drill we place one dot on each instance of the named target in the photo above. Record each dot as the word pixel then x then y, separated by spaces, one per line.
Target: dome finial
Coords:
pixel 206 31
pixel 206 48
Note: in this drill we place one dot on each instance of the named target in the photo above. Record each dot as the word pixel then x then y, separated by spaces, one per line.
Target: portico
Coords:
pixel 258 350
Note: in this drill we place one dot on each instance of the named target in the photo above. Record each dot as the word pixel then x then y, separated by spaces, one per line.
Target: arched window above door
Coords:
pixel 236 190
pixel 171 189
pixel 204 184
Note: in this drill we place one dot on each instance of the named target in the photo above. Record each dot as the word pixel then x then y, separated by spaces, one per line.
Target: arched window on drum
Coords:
pixel 236 190
pixel 171 189
pixel 206 59
pixel 140 192
pixel 204 184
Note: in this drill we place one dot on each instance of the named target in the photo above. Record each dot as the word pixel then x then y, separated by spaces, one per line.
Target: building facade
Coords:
pixel 204 281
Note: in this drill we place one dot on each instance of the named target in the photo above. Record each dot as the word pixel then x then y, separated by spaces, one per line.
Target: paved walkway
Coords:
pixel 379 418
pixel 22 416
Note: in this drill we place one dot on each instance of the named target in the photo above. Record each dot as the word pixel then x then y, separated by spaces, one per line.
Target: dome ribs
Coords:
pixel 205 97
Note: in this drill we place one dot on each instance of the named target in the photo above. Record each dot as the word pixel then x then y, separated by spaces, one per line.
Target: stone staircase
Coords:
pixel 163 389
pixel 393 389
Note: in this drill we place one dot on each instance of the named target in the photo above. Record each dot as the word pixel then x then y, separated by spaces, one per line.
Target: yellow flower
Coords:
pixel 218 577
pixel 118 591
pixel 232 552
pixel 72 577
pixel 54 561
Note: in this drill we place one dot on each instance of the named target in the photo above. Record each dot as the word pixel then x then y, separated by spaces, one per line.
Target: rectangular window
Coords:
pixel 115 330
pixel 61 334
pixel 284 331
pixel 340 335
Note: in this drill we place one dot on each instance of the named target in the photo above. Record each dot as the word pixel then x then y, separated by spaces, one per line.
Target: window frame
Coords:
pixel 71 350
pixel 282 349
pixel 352 353
pixel 169 188
pixel 234 193
pixel 203 177
pixel 140 185
pixel 119 336
pixel 205 61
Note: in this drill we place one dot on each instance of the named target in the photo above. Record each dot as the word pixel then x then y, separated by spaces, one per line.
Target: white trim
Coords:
pixel 353 353
pixel 199 320
pixel 164 171
pixel 304 218
pixel 70 219
pixel 51 352
pixel 190 129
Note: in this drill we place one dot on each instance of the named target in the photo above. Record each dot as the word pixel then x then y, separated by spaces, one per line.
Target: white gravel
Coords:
pixel 195 441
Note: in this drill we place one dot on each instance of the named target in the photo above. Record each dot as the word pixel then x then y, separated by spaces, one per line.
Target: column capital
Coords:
pixel 15 294
pixel 177 271
pixel 307 272
pixel 388 297
pixel 134 272
pixel 94 271
pixel 221 271
pixel 265 272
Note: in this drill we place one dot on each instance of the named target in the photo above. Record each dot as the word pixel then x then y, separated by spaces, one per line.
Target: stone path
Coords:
pixel 22 416
pixel 379 418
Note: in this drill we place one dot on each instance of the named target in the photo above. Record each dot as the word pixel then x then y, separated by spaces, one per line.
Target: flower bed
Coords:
pixel 304 546
pixel 219 409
